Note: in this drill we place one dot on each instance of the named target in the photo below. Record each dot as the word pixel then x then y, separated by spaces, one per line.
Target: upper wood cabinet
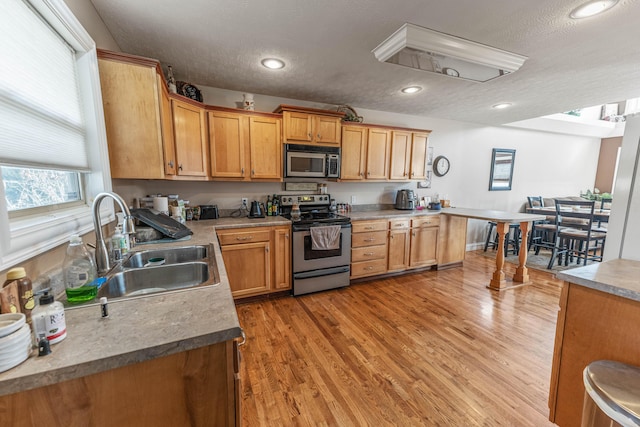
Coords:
pixel 310 126
pixel 134 113
pixel 378 144
pixel 372 152
pixel 354 152
pixel 245 146
pixel 191 139
pixel 266 147
pixel 419 144
pixel 227 138
pixel 400 155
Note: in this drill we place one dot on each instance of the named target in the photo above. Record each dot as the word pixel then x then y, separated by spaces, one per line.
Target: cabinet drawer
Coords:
pixel 368 268
pixel 374 238
pixel 426 221
pixel 368 253
pixel 396 224
pixel 230 237
pixel 362 226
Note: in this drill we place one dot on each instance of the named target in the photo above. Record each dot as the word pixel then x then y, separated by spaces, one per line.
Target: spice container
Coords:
pixel 25 290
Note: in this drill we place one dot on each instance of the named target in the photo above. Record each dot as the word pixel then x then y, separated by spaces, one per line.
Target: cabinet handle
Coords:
pixel 286 236
pixel 242 171
pixel 244 338
pixel 266 249
pixel 319 136
pixel 244 238
pixel 368 173
pixel 369 253
pixel 253 172
pixel 180 167
pixel 370 240
pixel 369 227
pixel 368 268
pixel 413 234
pixel 310 135
pixel 413 174
pixel 170 163
pixel 361 174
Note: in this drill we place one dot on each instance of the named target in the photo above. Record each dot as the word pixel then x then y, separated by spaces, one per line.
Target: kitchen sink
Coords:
pixel 141 281
pixel 171 256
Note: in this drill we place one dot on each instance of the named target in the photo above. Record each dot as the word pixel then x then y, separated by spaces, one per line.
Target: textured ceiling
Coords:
pixel 327 47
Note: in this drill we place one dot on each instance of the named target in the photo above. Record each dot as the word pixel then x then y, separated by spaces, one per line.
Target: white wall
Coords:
pixel 546 164
pixel 92 22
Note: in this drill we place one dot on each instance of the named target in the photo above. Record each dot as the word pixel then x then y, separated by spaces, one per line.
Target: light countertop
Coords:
pixel 137 329
pixel 617 277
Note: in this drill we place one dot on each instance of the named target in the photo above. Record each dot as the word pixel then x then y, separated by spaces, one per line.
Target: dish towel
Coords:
pixel 325 238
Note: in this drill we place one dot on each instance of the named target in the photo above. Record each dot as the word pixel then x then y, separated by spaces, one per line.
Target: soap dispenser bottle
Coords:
pixel 48 319
pixel 79 270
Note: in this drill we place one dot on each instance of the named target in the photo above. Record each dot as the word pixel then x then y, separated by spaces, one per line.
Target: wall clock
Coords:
pixel 441 166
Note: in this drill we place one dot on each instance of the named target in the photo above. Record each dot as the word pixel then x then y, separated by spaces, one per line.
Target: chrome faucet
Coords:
pixel 102 255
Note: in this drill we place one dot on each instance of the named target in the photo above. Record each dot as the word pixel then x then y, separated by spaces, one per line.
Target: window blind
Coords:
pixel 41 122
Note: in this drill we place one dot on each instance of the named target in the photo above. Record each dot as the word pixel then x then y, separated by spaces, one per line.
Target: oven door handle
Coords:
pixel 323 272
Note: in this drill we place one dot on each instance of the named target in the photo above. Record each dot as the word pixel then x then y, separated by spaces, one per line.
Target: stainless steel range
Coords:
pixel 317 269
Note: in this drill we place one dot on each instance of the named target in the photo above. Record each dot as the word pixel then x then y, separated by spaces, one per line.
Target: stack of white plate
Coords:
pixel 15 340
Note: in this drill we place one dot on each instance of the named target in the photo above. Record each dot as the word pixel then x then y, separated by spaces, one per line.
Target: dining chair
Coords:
pixel 575 231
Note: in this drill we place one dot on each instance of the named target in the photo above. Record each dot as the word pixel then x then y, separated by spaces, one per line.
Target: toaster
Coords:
pixel 208 211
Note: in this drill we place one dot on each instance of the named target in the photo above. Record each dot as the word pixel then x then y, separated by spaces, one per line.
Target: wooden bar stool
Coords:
pixel 512 239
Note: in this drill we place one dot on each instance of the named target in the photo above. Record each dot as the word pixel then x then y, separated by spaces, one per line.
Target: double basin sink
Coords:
pixel 184 267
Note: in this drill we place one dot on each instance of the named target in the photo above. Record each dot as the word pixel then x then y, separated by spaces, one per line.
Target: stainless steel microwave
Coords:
pixel 310 161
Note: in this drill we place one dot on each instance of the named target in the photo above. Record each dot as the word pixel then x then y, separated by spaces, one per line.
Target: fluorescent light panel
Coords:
pixel 427 50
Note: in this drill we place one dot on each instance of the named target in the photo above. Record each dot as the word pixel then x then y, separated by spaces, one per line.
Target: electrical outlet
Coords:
pixel 245 201
pixel 353 200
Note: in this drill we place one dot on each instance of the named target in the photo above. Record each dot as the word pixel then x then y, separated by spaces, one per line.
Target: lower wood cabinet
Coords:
pixel 399 244
pixel 368 248
pixel 423 250
pixel 405 243
pixel 257 259
pixel 195 387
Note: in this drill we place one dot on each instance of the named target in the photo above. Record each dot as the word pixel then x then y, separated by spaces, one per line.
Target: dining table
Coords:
pixel 502 219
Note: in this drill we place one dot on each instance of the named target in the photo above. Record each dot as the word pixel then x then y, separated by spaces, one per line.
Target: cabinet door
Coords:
pixel 298 126
pixel 424 247
pixel 398 249
pixel 378 154
pixel 419 156
pixel 167 128
pixel 132 119
pixel 452 240
pixel 400 155
pixel 190 135
pixel 248 268
pixel 354 141
pixel 266 147
pixel 327 129
pixel 226 142
pixel 282 258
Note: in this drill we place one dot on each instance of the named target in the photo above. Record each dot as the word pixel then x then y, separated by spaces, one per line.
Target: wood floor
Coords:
pixel 435 348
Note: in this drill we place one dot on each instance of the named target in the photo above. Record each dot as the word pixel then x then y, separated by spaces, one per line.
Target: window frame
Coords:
pixel 27 236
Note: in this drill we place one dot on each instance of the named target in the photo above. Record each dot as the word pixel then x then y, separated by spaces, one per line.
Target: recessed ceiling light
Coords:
pixel 502 105
pixel 273 63
pixel 411 89
pixel 592 8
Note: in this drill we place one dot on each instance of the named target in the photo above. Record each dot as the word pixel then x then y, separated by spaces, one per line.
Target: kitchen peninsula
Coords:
pixel 503 219
pixel 162 359
pixel 599 309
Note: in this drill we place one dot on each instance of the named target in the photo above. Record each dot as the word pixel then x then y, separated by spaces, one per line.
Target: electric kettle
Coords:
pixel 257 210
